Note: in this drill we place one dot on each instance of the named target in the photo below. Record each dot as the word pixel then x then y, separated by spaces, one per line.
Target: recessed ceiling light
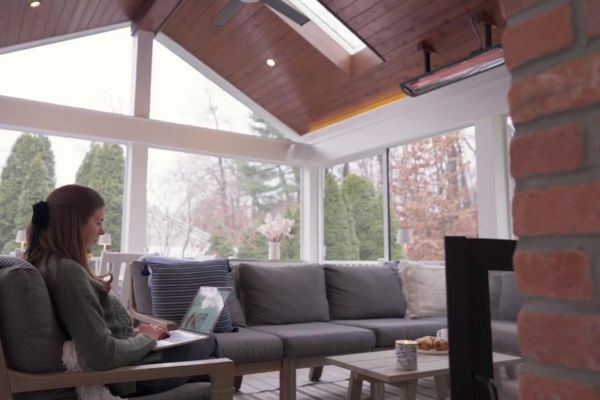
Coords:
pixel 34 3
pixel 270 62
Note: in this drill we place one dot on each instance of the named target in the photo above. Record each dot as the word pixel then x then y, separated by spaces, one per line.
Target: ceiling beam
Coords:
pixel 153 15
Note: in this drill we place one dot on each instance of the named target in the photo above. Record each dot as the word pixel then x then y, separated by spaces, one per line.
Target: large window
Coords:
pixel 32 165
pixel 97 75
pixel 353 210
pixel 433 191
pixel 183 95
pixel 204 206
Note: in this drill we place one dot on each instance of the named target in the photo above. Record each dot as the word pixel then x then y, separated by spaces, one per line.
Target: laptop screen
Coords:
pixel 202 314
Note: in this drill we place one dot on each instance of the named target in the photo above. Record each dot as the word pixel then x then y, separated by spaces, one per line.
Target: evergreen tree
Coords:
pixel 221 244
pixel 35 188
pixel 263 129
pixel 12 183
pixel 103 169
pixel 339 232
pixel 290 248
pixel 366 213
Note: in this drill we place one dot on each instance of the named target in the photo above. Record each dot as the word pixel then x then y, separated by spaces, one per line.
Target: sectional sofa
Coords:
pixel 293 315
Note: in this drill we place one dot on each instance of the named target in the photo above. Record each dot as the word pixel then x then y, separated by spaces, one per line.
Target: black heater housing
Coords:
pixel 468 262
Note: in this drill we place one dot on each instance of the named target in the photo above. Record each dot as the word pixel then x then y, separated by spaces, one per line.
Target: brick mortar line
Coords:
pixel 549 61
pixel 587 243
pixel 579 22
pixel 591 112
pixel 585 175
pixel 584 308
pixel 533 11
pixel 579 376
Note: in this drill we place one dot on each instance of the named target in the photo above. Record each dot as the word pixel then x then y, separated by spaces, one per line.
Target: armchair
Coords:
pixel 31 347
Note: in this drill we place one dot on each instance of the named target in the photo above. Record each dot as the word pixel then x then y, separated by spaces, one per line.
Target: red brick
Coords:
pixel 511 7
pixel 557 210
pixel 547 152
pixel 593 17
pixel 535 387
pixel 562 340
pixel 558 275
pixel 545 34
pixel 571 85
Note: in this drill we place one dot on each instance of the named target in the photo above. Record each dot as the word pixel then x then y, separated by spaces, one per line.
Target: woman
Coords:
pixel 63 230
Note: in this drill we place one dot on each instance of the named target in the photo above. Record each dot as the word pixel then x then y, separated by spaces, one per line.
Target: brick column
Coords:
pixel 552 49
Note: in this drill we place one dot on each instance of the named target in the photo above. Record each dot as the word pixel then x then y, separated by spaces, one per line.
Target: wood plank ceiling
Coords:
pixel 305 90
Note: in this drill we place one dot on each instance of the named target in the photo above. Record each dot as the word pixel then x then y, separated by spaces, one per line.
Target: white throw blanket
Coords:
pixel 93 392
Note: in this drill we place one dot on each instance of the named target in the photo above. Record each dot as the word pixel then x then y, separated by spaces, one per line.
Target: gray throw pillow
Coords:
pixel 283 294
pixel 364 291
pixel 174 284
pixel 511 299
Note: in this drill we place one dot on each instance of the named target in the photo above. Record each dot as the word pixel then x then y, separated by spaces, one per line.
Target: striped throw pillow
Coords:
pixel 174 283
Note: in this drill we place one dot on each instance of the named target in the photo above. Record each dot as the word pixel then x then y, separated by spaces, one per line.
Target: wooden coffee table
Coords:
pixel 379 368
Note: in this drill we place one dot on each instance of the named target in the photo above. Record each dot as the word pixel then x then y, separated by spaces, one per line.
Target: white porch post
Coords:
pixel 310 215
pixel 493 209
pixel 134 204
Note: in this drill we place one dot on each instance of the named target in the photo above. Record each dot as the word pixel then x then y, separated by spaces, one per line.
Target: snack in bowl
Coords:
pixel 440 344
pixel 425 342
pixel 432 343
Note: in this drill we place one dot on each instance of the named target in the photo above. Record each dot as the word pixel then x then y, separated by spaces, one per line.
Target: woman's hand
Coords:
pixel 156 332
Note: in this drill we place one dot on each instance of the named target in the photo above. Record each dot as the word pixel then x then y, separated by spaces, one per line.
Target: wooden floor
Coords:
pixel 333 386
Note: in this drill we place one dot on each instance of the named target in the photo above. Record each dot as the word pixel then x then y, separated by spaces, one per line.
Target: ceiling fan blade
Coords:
pixel 288 11
pixel 228 12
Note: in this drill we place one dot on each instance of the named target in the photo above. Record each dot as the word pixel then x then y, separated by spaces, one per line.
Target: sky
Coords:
pixel 97 76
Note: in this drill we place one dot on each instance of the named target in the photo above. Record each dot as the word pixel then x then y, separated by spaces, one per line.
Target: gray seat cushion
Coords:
pixel 248 345
pixel 505 338
pixel 364 291
pixel 317 339
pixel 388 330
pixel 288 294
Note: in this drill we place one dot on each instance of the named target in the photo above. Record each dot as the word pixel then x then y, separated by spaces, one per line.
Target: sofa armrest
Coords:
pixel 220 371
pixel 150 319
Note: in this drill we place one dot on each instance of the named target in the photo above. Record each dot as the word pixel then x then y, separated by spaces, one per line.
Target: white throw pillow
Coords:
pixel 424 287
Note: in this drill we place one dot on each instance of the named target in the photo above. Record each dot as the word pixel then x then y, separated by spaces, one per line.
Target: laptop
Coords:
pixel 199 319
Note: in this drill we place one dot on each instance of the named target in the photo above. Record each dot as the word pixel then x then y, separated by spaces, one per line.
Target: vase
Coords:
pixel 274 250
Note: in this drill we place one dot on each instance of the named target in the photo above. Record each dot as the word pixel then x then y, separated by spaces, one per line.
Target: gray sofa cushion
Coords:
pixel 505 338
pixel 142 297
pixel 364 291
pixel 318 339
pixel 235 307
pixel 283 295
pixel 31 336
pixel 388 330
pixel 248 345
pixel 495 288
pixel 510 298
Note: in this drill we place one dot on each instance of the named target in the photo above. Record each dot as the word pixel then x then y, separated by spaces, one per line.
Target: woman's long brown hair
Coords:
pixel 69 207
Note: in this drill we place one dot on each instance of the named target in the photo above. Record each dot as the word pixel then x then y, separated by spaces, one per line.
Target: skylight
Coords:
pixel 330 25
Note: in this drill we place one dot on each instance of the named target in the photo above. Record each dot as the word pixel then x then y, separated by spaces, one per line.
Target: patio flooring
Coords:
pixel 333 386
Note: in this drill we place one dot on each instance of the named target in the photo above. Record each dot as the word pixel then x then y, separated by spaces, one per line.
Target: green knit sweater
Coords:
pixel 95 320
